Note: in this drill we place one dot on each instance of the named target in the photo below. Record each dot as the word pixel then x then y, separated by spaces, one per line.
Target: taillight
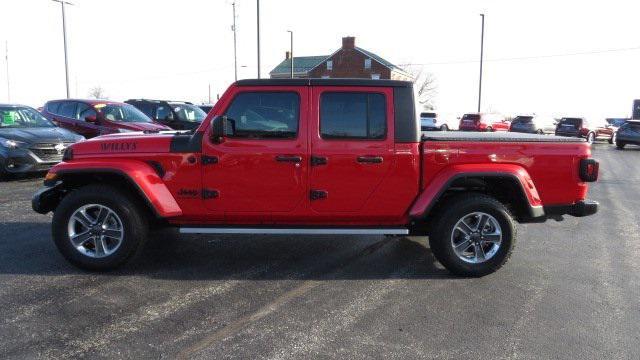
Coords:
pixel 589 170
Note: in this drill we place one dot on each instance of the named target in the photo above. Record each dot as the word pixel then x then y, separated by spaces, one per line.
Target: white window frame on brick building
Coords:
pixel 329 64
pixel 375 76
pixel 367 63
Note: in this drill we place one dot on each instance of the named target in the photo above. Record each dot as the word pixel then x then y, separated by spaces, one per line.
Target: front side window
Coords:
pixel 84 111
pixel 53 107
pixel 188 112
pixel 122 113
pixel 259 115
pixel 353 115
pixel 163 112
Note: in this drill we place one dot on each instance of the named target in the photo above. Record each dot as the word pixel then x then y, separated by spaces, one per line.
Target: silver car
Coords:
pixel 533 124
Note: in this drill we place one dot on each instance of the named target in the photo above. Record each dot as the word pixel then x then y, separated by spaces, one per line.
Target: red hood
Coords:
pixel 125 143
pixel 142 126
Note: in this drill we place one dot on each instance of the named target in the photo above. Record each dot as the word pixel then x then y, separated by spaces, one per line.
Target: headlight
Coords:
pixel 11 144
pixel 125 130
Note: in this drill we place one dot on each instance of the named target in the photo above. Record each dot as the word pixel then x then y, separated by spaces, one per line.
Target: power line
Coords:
pixel 547 56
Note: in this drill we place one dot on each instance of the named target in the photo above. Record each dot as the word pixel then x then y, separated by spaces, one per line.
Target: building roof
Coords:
pixel 301 64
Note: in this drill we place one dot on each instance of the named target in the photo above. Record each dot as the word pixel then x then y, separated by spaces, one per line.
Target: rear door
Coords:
pixel 352 147
pixel 260 172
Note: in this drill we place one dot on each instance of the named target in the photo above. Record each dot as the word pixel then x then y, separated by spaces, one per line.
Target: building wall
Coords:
pixel 349 63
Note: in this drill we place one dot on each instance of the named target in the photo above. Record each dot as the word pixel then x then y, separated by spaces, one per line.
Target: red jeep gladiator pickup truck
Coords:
pixel 315 156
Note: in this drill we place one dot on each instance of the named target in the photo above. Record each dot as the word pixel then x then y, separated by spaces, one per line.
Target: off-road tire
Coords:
pixel 133 217
pixel 443 226
pixel 620 145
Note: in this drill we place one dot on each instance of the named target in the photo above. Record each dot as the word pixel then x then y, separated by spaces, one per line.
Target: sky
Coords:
pixel 573 58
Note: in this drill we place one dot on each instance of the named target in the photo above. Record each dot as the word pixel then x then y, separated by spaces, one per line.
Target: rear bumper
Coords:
pixel 579 209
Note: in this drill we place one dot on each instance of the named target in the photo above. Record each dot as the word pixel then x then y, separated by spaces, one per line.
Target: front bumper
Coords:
pixel 47 198
pixel 22 160
pixel 579 209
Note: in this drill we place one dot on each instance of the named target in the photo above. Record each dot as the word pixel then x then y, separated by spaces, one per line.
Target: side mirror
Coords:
pixel 221 127
pixel 91 119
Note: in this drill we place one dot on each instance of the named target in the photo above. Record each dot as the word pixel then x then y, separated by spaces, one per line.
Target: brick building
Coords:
pixel 349 61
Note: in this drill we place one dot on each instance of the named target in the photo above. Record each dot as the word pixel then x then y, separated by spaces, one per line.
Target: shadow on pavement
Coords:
pixel 27 249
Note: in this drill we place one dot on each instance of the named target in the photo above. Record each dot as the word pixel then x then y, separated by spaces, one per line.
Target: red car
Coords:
pixel 484 122
pixel 92 118
pixel 315 156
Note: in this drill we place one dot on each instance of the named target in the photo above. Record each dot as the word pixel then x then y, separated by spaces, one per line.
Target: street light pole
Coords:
pixel 235 56
pixel 6 56
pixel 481 59
pixel 291 51
pixel 258 27
pixel 64 35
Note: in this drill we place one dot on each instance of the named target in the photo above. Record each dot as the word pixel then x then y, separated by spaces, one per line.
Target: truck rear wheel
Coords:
pixel 98 227
pixel 473 236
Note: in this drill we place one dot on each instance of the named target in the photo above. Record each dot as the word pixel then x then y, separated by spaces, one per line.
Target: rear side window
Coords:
pixel 67 109
pixel 53 107
pixel 146 108
pixel 353 115
pixel 264 115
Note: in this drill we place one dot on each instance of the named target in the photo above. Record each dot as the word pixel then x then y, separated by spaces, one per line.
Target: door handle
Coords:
pixel 289 158
pixel 370 159
pixel 318 160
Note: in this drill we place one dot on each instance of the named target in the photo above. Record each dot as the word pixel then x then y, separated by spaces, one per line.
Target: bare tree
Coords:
pixel 97 92
pixel 426 86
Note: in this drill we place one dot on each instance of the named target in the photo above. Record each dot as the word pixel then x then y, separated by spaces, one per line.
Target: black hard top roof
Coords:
pixel 323 82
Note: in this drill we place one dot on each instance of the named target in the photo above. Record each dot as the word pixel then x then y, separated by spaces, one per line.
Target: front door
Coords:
pixel 352 147
pixel 260 171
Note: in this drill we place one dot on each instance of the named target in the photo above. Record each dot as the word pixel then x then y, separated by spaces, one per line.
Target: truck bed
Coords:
pixel 495 137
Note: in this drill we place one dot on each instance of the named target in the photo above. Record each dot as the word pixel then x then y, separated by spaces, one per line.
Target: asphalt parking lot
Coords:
pixel 571 290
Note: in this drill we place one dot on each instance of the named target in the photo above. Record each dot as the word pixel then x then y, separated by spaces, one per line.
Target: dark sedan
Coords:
pixel 29 142
pixel 627 134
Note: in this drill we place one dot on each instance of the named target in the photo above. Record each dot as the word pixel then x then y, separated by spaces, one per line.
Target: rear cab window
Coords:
pixel 570 122
pixel 522 120
pixel 353 115
pixel 264 115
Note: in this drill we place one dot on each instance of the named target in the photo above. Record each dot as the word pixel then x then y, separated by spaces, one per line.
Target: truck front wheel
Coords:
pixel 473 236
pixel 98 228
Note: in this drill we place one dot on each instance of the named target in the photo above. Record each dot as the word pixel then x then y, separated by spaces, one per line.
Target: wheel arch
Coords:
pixel 145 185
pixel 512 188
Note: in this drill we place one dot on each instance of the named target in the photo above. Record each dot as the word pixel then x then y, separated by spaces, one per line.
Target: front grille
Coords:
pixel 47 152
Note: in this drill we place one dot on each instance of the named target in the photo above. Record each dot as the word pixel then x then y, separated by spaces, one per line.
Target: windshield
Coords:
pixel 122 113
pixel 22 117
pixel 522 119
pixel 427 115
pixel 473 117
pixel 188 112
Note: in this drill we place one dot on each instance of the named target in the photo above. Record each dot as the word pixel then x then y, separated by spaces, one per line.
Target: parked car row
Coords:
pixel 537 124
pixel 34 140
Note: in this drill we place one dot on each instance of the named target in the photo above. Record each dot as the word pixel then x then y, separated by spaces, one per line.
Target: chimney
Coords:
pixel 287 55
pixel 348 42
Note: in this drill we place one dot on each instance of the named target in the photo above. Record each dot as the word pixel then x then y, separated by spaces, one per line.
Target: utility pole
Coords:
pixel 481 59
pixel 64 35
pixel 258 26
pixel 291 51
pixel 209 93
pixel 6 56
pixel 235 56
